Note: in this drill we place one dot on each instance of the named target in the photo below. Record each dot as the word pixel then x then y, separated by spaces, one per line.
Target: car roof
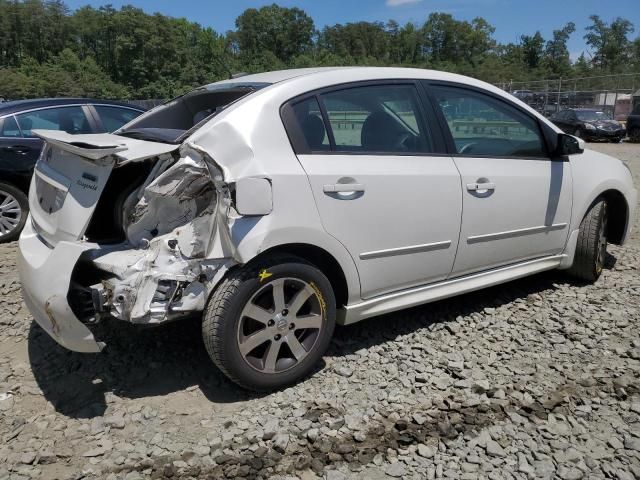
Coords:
pixel 326 76
pixel 275 76
pixel 17 106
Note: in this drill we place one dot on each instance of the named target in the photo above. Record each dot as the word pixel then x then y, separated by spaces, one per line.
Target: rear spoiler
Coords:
pixel 100 145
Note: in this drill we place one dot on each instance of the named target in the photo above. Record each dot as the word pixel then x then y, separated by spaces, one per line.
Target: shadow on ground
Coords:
pixel 148 362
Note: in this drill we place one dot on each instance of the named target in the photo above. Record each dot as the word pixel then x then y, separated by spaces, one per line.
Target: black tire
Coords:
pixel 634 135
pixel 223 317
pixel 591 249
pixel 11 220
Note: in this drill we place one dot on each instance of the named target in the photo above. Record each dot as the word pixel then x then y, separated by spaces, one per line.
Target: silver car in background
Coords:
pixel 279 204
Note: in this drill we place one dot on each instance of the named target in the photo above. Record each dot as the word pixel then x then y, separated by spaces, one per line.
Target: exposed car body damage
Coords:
pixel 178 228
pixel 179 242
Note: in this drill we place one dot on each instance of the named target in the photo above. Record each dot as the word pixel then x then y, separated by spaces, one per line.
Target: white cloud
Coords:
pixel 397 3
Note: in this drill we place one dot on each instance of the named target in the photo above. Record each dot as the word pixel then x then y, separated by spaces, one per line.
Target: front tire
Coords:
pixel 267 325
pixel 591 249
pixel 14 208
pixel 634 135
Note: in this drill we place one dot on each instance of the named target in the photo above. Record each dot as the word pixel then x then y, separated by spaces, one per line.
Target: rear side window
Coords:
pixel 376 119
pixel 483 126
pixel 309 118
pixel 9 127
pixel 115 117
pixel 67 119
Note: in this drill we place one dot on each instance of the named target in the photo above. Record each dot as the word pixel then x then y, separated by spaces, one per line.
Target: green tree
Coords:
pixel 451 41
pixel 556 52
pixel 45 49
pixel 360 41
pixel 635 56
pixel 285 32
pixel 581 67
pixel 609 42
pixel 532 49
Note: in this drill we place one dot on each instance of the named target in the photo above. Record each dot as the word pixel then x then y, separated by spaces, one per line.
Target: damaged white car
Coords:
pixel 275 205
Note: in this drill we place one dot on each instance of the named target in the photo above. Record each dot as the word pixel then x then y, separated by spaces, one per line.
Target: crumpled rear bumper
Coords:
pixel 45 274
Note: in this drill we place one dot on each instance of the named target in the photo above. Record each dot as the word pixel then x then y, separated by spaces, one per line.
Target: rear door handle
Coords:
pixel 343 188
pixel 474 187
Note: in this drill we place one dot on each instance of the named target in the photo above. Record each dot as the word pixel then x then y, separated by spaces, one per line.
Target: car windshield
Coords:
pixel 176 119
pixel 592 115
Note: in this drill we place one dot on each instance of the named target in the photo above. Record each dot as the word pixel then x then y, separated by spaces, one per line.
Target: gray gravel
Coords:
pixel 538 378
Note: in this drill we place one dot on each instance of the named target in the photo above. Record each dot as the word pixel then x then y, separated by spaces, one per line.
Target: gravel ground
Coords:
pixel 539 378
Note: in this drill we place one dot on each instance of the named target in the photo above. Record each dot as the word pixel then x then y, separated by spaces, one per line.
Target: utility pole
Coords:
pixel 615 98
pixel 559 90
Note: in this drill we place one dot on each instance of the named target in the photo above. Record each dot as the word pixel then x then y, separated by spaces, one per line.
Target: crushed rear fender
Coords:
pixel 177 225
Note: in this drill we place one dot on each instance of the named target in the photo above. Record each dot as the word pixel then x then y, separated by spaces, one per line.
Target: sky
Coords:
pixel 510 18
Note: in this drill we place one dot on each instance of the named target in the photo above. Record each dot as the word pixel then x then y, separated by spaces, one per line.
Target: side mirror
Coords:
pixel 569 145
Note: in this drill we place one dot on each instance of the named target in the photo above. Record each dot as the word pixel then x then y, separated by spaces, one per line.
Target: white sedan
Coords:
pixel 276 205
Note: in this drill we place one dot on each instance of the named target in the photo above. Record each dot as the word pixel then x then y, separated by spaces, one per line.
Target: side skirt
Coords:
pixel 429 293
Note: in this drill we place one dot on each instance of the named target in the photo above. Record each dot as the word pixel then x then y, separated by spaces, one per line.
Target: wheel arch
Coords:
pixel 321 259
pixel 618 212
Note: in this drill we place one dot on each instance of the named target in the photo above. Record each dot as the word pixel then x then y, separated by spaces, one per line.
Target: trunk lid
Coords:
pixel 71 174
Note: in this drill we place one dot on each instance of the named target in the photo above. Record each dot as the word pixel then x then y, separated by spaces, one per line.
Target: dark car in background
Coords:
pixel 527 96
pixel 20 149
pixel 589 124
pixel 633 124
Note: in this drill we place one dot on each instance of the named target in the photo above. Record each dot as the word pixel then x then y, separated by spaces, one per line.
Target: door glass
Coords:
pixel 310 121
pixel 482 125
pixel 382 118
pixel 68 119
pixel 115 117
pixel 9 127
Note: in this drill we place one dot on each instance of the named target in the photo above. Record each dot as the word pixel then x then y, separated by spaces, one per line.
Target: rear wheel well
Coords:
pixel 618 213
pixel 321 259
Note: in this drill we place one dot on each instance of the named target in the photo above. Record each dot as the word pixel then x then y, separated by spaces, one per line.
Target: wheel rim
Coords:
pixel 602 242
pixel 280 325
pixel 10 213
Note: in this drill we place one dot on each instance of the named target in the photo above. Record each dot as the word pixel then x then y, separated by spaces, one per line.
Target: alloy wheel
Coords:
pixel 10 213
pixel 280 325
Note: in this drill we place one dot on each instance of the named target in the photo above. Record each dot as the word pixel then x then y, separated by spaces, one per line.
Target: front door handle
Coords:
pixel 343 188
pixel 475 187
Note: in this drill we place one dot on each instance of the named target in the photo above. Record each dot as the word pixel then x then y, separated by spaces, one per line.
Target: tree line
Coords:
pixel 48 50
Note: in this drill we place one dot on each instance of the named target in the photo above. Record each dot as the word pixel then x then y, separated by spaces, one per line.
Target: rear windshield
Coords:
pixel 175 120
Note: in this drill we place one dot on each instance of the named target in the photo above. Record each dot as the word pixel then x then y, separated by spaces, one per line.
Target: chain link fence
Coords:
pixel 615 94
